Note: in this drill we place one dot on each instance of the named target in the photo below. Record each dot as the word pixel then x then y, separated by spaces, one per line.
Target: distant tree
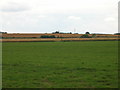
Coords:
pixel 76 33
pixel 87 33
pixel 117 34
pixel 57 32
pixel 3 32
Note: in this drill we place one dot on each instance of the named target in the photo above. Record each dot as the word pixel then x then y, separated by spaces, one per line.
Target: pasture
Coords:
pixel 84 64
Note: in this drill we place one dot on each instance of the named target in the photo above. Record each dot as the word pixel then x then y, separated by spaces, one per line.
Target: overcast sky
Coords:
pixel 45 16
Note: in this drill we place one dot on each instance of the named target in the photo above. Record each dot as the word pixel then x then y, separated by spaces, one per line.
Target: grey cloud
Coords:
pixel 14 7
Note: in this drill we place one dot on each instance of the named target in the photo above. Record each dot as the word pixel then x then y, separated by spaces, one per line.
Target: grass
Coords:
pixel 87 64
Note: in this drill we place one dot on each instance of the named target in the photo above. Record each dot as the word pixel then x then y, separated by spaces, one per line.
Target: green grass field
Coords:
pixel 86 64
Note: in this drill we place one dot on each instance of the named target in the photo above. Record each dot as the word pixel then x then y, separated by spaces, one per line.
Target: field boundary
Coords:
pixel 59 39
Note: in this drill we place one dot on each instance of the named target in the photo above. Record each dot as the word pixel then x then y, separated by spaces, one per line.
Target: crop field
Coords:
pixel 83 64
pixel 59 39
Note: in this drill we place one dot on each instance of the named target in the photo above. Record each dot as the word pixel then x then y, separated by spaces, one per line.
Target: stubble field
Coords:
pixel 85 64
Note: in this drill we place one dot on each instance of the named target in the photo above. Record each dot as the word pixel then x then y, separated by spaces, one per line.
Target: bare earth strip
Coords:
pixel 58 39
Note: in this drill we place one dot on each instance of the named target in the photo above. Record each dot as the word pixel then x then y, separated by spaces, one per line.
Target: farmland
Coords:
pixel 38 37
pixel 84 64
pixel 59 39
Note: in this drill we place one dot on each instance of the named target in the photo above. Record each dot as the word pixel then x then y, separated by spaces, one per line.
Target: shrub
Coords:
pixel 85 36
pixel 46 36
pixel 94 35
